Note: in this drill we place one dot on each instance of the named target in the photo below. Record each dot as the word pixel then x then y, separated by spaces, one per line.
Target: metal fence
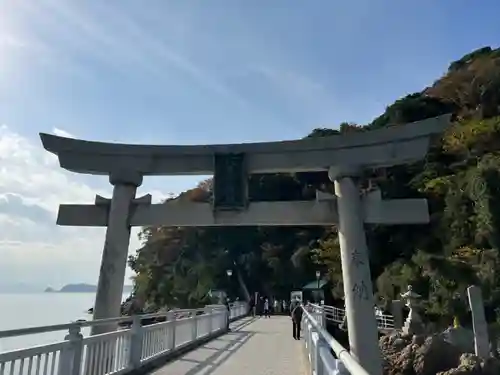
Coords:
pixel 320 344
pixel 337 315
pixel 117 352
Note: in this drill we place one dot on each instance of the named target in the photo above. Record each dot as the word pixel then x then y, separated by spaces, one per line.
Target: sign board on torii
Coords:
pixel 343 156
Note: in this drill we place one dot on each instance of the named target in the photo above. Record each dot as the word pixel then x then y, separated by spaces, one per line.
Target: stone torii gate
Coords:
pixel 343 156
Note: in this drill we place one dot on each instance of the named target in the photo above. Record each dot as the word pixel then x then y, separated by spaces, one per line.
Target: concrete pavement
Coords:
pixel 256 346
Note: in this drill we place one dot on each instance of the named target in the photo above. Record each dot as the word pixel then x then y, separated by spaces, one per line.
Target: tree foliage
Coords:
pixel 460 178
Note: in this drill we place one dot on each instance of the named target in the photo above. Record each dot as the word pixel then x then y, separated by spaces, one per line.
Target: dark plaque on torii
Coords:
pixel 230 182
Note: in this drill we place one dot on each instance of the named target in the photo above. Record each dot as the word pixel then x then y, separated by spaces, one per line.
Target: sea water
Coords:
pixel 41 309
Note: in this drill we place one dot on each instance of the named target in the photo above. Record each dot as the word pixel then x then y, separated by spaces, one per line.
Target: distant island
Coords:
pixel 82 288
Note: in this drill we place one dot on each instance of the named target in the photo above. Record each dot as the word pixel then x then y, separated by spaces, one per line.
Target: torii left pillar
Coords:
pixel 115 253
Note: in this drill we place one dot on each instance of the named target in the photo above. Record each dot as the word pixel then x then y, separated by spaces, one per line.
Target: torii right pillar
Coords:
pixel 358 289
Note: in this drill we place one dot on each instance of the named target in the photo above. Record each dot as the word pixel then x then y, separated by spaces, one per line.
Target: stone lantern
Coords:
pixel 413 323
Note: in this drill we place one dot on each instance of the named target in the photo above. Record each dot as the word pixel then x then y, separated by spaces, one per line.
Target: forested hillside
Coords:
pixel 461 245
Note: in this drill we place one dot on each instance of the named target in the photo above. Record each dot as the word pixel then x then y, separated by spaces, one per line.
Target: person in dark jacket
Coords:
pixel 260 306
pixel 226 303
pixel 251 305
pixel 296 314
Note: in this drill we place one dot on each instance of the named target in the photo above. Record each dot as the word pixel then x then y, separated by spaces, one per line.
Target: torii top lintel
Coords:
pixel 377 148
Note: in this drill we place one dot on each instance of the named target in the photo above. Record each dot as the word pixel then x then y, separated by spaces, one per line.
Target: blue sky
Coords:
pixel 185 72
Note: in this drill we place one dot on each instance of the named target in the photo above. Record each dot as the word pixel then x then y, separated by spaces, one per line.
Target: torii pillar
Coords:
pixel 115 253
pixel 358 290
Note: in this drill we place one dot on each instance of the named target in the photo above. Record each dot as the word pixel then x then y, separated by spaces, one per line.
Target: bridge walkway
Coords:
pixel 256 346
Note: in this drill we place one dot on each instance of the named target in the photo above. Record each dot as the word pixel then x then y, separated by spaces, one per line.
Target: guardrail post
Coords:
pixel 173 327
pixel 194 327
pixel 221 319
pixel 136 342
pixel 319 365
pixel 323 317
pixel 313 350
pixel 309 338
pixel 71 358
pixel 210 320
pixel 224 318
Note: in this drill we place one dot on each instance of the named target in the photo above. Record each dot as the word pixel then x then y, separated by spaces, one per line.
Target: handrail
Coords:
pixel 342 354
pixel 121 351
pixel 91 323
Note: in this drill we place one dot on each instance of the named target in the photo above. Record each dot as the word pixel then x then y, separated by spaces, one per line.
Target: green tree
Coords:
pixel 459 177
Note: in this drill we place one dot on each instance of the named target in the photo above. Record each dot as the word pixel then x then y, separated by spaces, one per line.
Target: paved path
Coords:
pixel 254 347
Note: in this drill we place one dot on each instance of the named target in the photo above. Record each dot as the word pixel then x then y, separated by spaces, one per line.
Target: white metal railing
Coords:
pixel 336 314
pixel 320 344
pixel 332 313
pixel 385 321
pixel 117 352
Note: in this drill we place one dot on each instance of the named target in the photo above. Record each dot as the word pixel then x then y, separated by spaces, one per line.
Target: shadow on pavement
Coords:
pixel 238 326
pixel 222 348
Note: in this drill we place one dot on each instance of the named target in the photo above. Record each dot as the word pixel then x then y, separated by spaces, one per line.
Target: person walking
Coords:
pixel 260 306
pixel 226 303
pixel 296 314
pixel 266 308
pixel 252 306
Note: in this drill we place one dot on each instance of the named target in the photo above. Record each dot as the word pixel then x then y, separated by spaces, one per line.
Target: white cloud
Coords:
pixel 62 133
pixel 33 249
pixel 11 41
pixel 28 171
